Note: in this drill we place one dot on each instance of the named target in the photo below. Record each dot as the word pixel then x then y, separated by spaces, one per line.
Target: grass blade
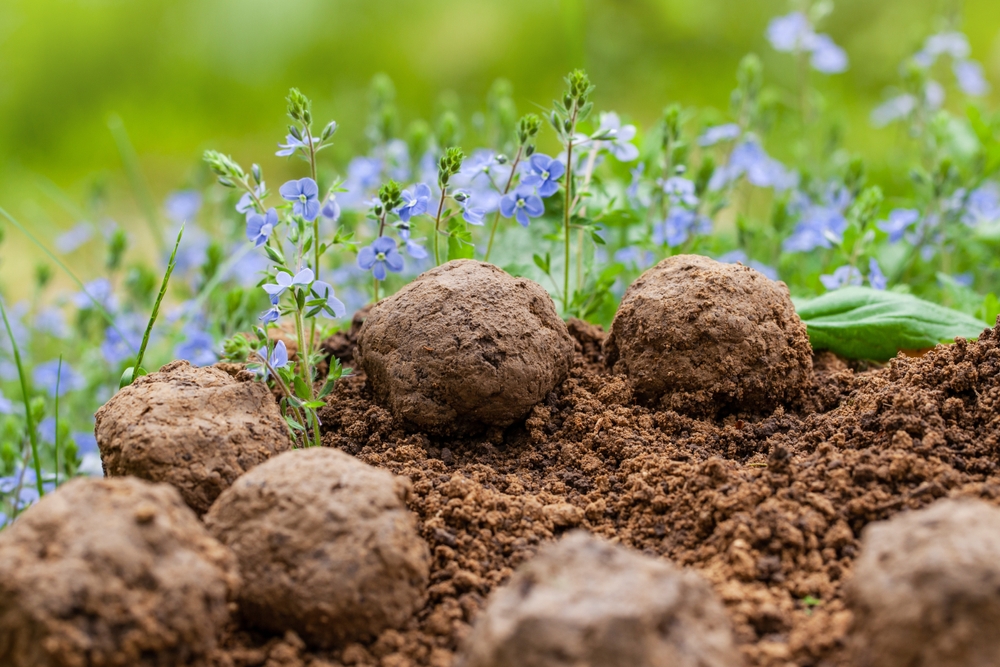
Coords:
pixel 29 418
pixel 56 443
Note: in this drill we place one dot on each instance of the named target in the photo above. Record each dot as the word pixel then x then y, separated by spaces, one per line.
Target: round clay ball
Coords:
pixel 111 572
pixel 706 338
pixel 926 588
pixel 464 347
pixel 326 546
pixel 195 428
pixel 583 601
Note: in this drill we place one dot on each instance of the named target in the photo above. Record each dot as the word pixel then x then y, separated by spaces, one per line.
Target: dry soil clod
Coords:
pixel 104 573
pixel 926 588
pixel 703 338
pixel 584 601
pixel 195 428
pixel 326 546
pixel 464 347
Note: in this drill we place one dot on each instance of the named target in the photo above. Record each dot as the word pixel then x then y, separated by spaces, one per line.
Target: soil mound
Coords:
pixel 926 588
pixel 704 338
pixel 195 428
pixel 584 601
pixel 326 546
pixel 111 572
pixel 464 347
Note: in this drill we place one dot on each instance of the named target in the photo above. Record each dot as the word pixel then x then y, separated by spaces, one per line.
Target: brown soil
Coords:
pixel 108 573
pixel 195 428
pixel 706 338
pixel 463 348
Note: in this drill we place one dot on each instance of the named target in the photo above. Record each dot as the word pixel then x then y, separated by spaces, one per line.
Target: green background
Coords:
pixel 185 75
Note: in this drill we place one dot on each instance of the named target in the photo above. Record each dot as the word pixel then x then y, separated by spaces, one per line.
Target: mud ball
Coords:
pixel 195 428
pixel 464 347
pixel 705 338
pixel 584 601
pixel 111 572
pixel 926 588
pixel 326 546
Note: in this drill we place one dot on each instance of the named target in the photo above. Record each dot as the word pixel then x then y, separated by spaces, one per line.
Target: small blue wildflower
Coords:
pixel 305 195
pixel 414 203
pixel 618 143
pixel 876 278
pixel 270 315
pixel 681 223
pixel 284 280
pixel 115 348
pixel 332 306
pixel 893 109
pixel 791 32
pixel 98 290
pixel 632 191
pixel 933 95
pixel 522 204
pixel 46 374
pixel 246 202
pixel 413 248
pixel 379 256
pixel 278 357
pixel 480 168
pixel 827 57
pixel 47 429
pixel 50 320
pixel 197 349
pixel 70 240
pixel 86 442
pixel 969 75
pixel 472 214
pixel 331 209
pixel 6 406
pixel 719 133
pixel 259 227
pixel 982 205
pixel 749 159
pixel 544 173
pixel 964 279
pixel 953 44
pixel 634 257
pixel 842 277
pixel 680 190
pixel 819 227
pixel 900 220
pixel 292 144
pixel 183 206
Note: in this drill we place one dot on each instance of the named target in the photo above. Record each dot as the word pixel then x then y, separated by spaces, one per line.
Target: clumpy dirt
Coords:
pixel 326 546
pixel 463 348
pixel 768 509
pixel 195 428
pixel 108 573
pixel 706 338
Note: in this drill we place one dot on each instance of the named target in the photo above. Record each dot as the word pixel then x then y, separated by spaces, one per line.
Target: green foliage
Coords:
pixel 863 323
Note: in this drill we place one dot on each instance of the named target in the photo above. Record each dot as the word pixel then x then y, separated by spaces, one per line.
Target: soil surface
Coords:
pixel 769 509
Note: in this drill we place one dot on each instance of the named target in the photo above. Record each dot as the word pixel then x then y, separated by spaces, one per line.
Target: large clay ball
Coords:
pixel 702 337
pixel 195 428
pixel 583 601
pixel 463 347
pixel 326 546
pixel 926 588
pixel 111 572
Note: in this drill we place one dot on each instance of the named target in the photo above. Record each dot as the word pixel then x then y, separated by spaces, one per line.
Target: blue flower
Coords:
pixel 893 109
pixel 414 203
pixel 413 249
pixel 284 280
pixel 472 215
pixel 876 278
pixel 379 256
pixel 270 315
pixel 820 226
pixel 632 191
pixel 74 238
pixel 718 133
pixel 899 221
pixel 331 209
pixel 544 174
pixel 680 224
pixel 45 376
pixel 292 144
pixel 969 75
pixel 680 191
pixel 827 57
pixel 50 320
pixel 6 407
pixel 522 204
pixel 305 193
pixel 791 32
pixel 953 44
pixel 842 277
pixel 86 442
pixel 246 202
pixel 277 359
pixel 637 258
pixel 259 227
pixel 183 205
pixel 618 143
pixel 98 290
pixel 331 306
pixel 115 348
pixel 982 205
pixel 748 158
pixel 198 349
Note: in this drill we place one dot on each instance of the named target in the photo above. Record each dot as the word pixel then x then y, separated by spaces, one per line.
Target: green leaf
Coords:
pixel 460 241
pixel 301 388
pixel 864 323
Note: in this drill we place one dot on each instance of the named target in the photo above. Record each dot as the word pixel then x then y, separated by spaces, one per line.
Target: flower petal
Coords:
pixel 366 258
pixel 289 191
pixel 534 206
pixel 303 277
pixel 394 260
pixel 383 244
pixel 308 187
pixel 379 271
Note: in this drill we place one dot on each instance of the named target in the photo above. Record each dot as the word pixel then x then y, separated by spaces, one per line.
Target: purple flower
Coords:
pixel 6 407
pixel 718 133
pixel 331 209
pixel 820 226
pixel 827 57
pixel 98 290
pixel 197 349
pixel 117 347
pixel 619 137
pixel 50 320
pixel 680 191
pixel 544 174
pixel 246 202
pixel 183 205
pixel 330 305
pixel 748 158
pixel 632 191
pixel 875 276
pixel 844 276
pixel 472 215
pixel 982 205
pixel 413 249
pixel 899 221
pixel 634 257
pixel 953 44
pixel 279 356
pixel 414 203
pixel 270 315
pixel 791 32
pixel 522 204
pixel 74 238
pixel 46 374
pixel 680 224
pixel 305 193
pixel 969 75
pixel 259 227
pixel 379 256
pixel 292 144
pixel 284 280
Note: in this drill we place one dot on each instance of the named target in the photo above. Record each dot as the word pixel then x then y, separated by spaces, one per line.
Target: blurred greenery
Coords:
pixel 185 75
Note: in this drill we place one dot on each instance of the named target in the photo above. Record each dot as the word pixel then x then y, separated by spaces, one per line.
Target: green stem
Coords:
pixel 156 306
pixel 316 255
pixel 58 381
pixel 437 225
pixel 496 217
pixel 29 418
pixel 567 212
